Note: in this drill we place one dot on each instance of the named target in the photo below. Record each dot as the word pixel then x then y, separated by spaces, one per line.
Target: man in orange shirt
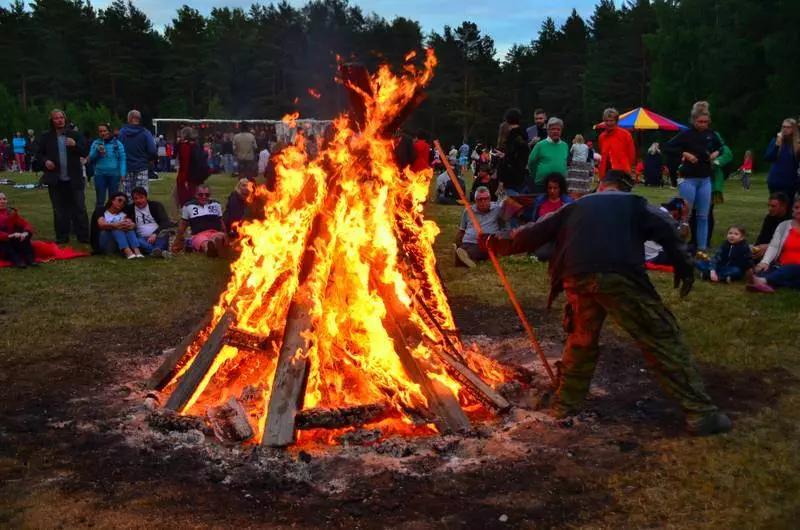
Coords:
pixel 617 149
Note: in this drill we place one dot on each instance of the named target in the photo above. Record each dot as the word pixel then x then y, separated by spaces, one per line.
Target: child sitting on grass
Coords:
pixel 733 259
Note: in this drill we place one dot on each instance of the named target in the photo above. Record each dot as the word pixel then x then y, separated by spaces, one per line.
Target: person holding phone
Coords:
pixel 108 155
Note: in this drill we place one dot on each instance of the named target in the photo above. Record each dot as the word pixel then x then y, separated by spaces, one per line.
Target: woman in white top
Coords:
pixel 117 228
pixel 581 168
pixel 579 149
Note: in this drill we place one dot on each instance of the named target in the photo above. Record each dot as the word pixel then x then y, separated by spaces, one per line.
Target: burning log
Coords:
pixel 343 417
pixel 244 340
pixel 169 367
pixel 229 422
pixel 477 386
pixel 202 362
pixel 289 384
pixel 442 403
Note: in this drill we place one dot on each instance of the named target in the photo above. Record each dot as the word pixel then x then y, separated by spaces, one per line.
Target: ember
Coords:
pixel 334 311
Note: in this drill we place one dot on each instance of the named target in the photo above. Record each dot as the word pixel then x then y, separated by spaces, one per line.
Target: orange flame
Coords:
pixel 314 94
pixel 377 247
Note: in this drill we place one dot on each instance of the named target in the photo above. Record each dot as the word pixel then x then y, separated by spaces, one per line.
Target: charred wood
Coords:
pixel 342 417
pixel 229 422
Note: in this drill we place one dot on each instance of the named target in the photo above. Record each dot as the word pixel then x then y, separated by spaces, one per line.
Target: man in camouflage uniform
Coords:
pixel 599 262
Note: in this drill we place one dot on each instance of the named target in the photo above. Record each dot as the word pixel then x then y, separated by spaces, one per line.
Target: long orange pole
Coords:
pixel 496 263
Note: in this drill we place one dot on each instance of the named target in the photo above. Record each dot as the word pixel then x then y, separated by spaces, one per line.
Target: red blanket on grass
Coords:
pixel 46 251
pixel 659 268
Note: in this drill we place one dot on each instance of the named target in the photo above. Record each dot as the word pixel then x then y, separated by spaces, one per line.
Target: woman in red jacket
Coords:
pixel 15 236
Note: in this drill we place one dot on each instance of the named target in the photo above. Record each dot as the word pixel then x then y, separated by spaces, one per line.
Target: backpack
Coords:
pixel 198 165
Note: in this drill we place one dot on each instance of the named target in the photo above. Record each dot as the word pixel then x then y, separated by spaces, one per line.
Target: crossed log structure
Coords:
pixel 285 414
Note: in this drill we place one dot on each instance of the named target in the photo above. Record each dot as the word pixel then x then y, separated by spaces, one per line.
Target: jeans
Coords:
pixel 146 248
pixel 697 192
pixel 723 271
pixel 163 163
pixel 746 180
pixel 783 276
pixel 121 238
pixel 475 252
pixel 104 185
pixel 69 212
pixel 227 163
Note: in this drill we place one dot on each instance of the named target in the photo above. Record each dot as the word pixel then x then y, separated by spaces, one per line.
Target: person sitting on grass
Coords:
pixel 780 266
pixel 15 236
pixel 116 229
pixel 779 211
pixel 203 215
pixel 732 261
pixel 555 198
pixel 236 206
pixel 676 212
pixel 546 205
pixel 445 191
pixel 153 224
pixel 467 251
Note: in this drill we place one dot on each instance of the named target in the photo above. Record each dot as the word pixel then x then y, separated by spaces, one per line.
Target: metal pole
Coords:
pixel 514 301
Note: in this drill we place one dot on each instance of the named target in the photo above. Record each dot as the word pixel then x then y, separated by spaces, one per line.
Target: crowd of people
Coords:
pixel 125 220
pixel 528 175
pixel 532 172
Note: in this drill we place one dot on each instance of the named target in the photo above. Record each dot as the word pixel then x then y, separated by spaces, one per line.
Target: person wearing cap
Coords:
pixel 598 261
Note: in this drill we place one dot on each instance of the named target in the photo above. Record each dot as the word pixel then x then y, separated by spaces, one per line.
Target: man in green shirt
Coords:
pixel 548 156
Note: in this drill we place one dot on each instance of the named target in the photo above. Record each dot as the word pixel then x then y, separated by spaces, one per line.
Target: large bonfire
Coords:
pixel 337 278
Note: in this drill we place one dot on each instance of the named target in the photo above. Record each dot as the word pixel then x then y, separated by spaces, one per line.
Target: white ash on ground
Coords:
pixel 363 452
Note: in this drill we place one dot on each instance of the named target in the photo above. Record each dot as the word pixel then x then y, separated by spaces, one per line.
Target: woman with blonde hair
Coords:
pixel 652 166
pixel 784 153
pixel 581 167
pixel 697 148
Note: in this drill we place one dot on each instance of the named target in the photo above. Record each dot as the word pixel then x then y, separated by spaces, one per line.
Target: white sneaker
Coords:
pixel 463 256
pixel 138 256
pixel 131 256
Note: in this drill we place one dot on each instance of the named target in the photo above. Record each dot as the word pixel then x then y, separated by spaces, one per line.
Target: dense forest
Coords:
pixel 741 55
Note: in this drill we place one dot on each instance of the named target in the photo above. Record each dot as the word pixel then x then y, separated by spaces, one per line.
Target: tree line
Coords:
pixel 740 55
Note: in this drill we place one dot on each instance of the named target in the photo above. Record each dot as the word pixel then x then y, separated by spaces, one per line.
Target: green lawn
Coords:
pixel 749 478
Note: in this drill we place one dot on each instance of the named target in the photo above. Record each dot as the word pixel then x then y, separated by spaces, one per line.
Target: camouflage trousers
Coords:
pixel 590 298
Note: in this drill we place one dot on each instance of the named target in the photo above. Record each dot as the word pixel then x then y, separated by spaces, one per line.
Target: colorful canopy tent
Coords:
pixel 642 119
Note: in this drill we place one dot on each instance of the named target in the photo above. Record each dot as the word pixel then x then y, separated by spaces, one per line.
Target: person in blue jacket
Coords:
pixel 140 150
pixel 784 153
pixel 108 155
pixel 18 143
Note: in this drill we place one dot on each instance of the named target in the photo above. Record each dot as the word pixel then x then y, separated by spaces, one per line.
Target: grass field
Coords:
pixel 748 479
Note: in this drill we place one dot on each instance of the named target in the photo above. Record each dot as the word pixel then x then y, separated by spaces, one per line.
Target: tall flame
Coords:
pixel 377 242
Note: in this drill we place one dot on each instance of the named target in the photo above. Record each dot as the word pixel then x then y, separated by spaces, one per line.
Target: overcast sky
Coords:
pixel 507 21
